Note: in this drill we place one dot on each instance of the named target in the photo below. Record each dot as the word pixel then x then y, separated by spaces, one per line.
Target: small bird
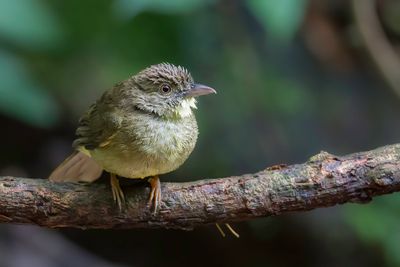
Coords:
pixel 140 128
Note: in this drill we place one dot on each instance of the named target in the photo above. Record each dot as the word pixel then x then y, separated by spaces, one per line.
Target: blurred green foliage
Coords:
pixel 128 8
pixel 378 223
pixel 281 19
pixel 29 24
pixel 21 97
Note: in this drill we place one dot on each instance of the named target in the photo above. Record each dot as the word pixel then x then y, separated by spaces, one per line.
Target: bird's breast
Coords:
pixel 147 146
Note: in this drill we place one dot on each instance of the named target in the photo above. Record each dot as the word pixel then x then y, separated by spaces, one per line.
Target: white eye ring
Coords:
pixel 165 89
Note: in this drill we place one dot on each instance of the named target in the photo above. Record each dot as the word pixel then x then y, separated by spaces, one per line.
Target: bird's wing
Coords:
pixel 96 129
pixel 98 125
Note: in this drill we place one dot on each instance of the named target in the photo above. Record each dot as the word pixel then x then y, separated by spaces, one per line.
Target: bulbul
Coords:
pixel 140 128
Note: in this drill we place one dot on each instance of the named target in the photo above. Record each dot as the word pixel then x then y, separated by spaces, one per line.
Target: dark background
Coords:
pixel 293 77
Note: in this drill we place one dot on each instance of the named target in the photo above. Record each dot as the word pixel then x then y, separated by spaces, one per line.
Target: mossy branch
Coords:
pixel 324 180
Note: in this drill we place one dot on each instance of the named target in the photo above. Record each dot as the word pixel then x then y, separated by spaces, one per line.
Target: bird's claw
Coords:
pixel 155 194
pixel 118 194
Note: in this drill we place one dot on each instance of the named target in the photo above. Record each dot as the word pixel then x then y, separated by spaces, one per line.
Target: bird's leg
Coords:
pixel 155 194
pixel 229 228
pixel 232 231
pixel 220 230
pixel 118 194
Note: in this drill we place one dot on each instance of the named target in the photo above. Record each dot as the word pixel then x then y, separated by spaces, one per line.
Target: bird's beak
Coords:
pixel 200 89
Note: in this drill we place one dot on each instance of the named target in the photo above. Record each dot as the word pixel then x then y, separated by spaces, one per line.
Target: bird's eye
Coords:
pixel 165 88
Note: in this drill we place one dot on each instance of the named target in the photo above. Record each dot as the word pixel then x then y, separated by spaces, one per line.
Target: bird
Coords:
pixel 140 128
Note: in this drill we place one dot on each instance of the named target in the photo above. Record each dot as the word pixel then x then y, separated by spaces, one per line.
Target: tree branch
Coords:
pixel 324 180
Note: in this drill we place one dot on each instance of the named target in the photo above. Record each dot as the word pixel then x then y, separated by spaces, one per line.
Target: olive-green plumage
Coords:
pixel 141 127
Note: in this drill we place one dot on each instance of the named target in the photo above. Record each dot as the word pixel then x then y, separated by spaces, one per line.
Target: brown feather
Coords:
pixel 77 167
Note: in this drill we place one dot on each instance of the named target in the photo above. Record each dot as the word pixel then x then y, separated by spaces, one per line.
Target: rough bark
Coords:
pixel 324 180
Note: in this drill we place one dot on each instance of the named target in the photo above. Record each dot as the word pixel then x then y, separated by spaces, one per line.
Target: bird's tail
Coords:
pixel 77 167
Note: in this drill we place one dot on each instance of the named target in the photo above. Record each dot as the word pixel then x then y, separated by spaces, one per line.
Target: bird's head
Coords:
pixel 166 90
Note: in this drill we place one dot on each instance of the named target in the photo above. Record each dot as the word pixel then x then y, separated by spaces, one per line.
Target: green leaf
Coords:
pixel 281 19
pixel 29 23
pixel 20 97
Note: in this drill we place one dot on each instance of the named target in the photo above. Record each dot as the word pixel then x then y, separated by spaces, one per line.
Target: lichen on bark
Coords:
pixel 324 180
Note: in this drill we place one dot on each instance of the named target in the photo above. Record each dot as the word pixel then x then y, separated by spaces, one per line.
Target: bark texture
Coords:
pixel 324 180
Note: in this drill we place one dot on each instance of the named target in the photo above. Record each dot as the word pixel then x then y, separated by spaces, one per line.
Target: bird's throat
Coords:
pixel 185 108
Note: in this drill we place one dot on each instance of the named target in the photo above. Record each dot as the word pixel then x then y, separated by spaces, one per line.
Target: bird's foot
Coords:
pixel 233 232
pixel 155 194
pixel 118 194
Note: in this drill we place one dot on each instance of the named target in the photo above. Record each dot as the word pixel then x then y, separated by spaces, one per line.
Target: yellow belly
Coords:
pixel 136 165
pixel 156 147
